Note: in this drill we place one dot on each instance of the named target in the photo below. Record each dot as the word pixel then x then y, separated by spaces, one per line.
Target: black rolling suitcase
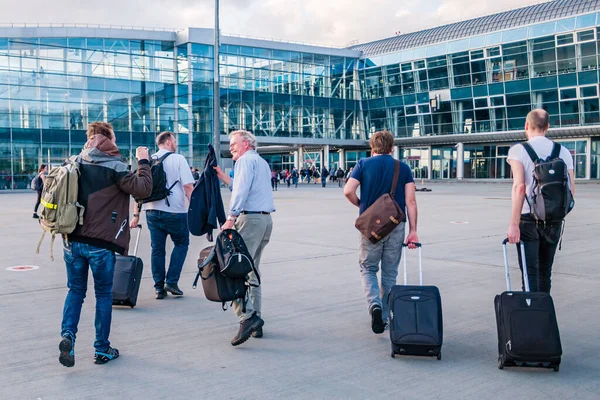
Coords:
pixel 128 276
pixel 528 333
pixel 416 326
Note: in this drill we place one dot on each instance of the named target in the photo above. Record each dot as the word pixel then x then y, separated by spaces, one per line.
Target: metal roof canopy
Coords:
pixel 496 137
pixel 505 20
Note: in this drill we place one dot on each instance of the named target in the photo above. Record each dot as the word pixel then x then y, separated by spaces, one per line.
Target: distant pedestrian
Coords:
pixel 340 177
pixel 324 175
pixel 295 177
pixel 274 180
pixel 38 185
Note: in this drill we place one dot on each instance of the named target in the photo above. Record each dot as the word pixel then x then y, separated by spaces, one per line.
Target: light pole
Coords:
pixel 216 95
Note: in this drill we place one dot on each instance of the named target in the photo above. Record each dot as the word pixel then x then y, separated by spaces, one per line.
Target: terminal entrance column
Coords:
pixel 460 161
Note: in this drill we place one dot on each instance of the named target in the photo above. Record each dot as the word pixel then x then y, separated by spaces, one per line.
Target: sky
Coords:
pixel 330 22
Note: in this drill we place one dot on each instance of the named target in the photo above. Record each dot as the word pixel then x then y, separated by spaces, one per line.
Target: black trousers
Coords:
pixel 540 241
pixel 37 203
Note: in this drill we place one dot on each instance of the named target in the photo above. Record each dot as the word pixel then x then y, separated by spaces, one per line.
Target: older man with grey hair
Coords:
pixel 250 211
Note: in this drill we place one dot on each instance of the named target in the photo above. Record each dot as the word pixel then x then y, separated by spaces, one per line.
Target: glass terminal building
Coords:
pixel 455 96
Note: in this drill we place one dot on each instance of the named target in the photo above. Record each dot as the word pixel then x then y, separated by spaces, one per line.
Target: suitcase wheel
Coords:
pixel 393 354
pixel 500 363
pixel 132 306
pixel 556 368
pixel 439 355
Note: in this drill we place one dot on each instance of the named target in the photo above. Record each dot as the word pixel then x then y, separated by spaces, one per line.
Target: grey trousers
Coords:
pixel 256 230
pixel 388 252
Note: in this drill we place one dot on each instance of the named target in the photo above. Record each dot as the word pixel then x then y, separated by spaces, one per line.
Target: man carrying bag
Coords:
pixel 387 189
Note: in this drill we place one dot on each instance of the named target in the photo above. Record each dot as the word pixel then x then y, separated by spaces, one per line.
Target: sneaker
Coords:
pixel 257 333
pixel 247 327
pixel 377 323
pixel 160 294
pixel 67 353
pixel 173 289
pixel 106 356
pixel 36 216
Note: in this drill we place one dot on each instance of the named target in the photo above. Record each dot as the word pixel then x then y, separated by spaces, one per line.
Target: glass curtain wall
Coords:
pixel 487 83
pixel 289 94
pixel 50 89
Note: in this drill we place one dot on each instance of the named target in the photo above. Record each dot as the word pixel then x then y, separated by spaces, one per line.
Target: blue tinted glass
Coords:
pixel 588 77
pixel 377 60
pixel 421 52
pixel 542 29
pixel 436 50
pixel 514 35
pixel 565 25
pixel 583 21
pixel 566 80
pixel 493 38
pixel 477 41
pixel 458 45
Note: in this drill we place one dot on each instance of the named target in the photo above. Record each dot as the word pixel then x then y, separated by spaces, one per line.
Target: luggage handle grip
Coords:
pixel 420 262
pixel 137 240
pixel 521 247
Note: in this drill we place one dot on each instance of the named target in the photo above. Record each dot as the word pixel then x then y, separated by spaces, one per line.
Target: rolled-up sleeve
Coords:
pixel 244 174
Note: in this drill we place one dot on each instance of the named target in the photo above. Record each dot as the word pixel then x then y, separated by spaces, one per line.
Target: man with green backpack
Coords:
pixel 87 200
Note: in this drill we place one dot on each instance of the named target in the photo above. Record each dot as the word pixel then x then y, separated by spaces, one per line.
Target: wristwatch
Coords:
pixel 136 215
pixel 231 218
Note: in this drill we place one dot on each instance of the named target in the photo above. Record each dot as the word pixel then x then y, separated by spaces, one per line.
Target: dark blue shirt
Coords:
pixel 375 176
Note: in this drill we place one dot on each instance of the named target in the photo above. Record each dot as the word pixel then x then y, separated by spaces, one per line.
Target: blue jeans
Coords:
pixel 78 258
pixel 388 252
pixel 161 224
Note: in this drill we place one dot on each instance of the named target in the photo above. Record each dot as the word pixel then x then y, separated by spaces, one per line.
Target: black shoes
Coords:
pixel 160 294
pixel 67 353
pixel 377 323
pixel 173 289
pixel 36 216
pixel 104 357
pixel 257 333
pixel 247 327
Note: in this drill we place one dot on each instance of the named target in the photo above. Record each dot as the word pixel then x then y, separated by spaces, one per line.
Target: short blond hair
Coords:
pixel 538 119
pixel 248 136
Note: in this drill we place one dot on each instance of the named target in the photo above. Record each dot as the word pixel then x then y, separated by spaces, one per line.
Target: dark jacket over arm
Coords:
pixel 206 211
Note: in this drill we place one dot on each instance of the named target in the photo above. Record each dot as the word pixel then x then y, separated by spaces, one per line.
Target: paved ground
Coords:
pixel 318 342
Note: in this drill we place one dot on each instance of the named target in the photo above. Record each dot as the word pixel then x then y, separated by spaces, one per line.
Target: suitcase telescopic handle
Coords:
pixel 521 248
pixel 137 240
pixel 420 262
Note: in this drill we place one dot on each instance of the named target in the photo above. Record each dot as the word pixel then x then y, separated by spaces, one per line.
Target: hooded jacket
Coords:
pixel 206 204
pixel 105 185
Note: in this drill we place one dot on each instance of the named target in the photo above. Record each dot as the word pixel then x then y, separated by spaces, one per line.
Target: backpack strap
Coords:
pixel 555 151
pixel 532 154
pixel 161 159
pixel 395 178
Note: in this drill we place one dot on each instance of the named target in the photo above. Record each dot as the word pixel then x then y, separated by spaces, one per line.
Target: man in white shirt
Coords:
pixel 168 217
pixel 539 238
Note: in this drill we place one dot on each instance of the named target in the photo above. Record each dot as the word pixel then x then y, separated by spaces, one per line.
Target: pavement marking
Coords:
pixel 21 268
pixel 459 222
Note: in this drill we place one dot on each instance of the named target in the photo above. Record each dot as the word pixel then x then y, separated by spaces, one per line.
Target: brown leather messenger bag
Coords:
pixel 383 216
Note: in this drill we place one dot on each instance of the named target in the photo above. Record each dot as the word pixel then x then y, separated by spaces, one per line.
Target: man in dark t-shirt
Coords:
pixel 374 176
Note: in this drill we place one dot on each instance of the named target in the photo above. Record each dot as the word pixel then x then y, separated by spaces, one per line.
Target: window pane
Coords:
pixel 567 94
pixel 589 91
pixel 564 39
pixel 497 101
pixel 481 103
pixel 585 36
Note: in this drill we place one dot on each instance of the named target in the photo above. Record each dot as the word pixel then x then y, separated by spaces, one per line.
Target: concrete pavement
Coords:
pixel 318 342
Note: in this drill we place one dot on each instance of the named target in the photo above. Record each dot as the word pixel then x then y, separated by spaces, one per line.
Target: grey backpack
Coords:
pixel 549 197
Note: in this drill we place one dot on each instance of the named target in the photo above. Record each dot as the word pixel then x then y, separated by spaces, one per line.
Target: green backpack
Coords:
pixel 60 210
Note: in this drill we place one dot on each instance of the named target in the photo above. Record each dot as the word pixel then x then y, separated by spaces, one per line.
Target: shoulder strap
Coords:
pixel 555 151
pixel 161 159
pixel 395 178
pixel 532 154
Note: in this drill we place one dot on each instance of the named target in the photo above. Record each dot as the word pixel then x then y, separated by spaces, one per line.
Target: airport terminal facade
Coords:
pixel 455 96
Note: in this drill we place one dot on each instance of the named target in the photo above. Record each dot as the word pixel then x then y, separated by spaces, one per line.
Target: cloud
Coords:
pixel 403 12
pixel 334 22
